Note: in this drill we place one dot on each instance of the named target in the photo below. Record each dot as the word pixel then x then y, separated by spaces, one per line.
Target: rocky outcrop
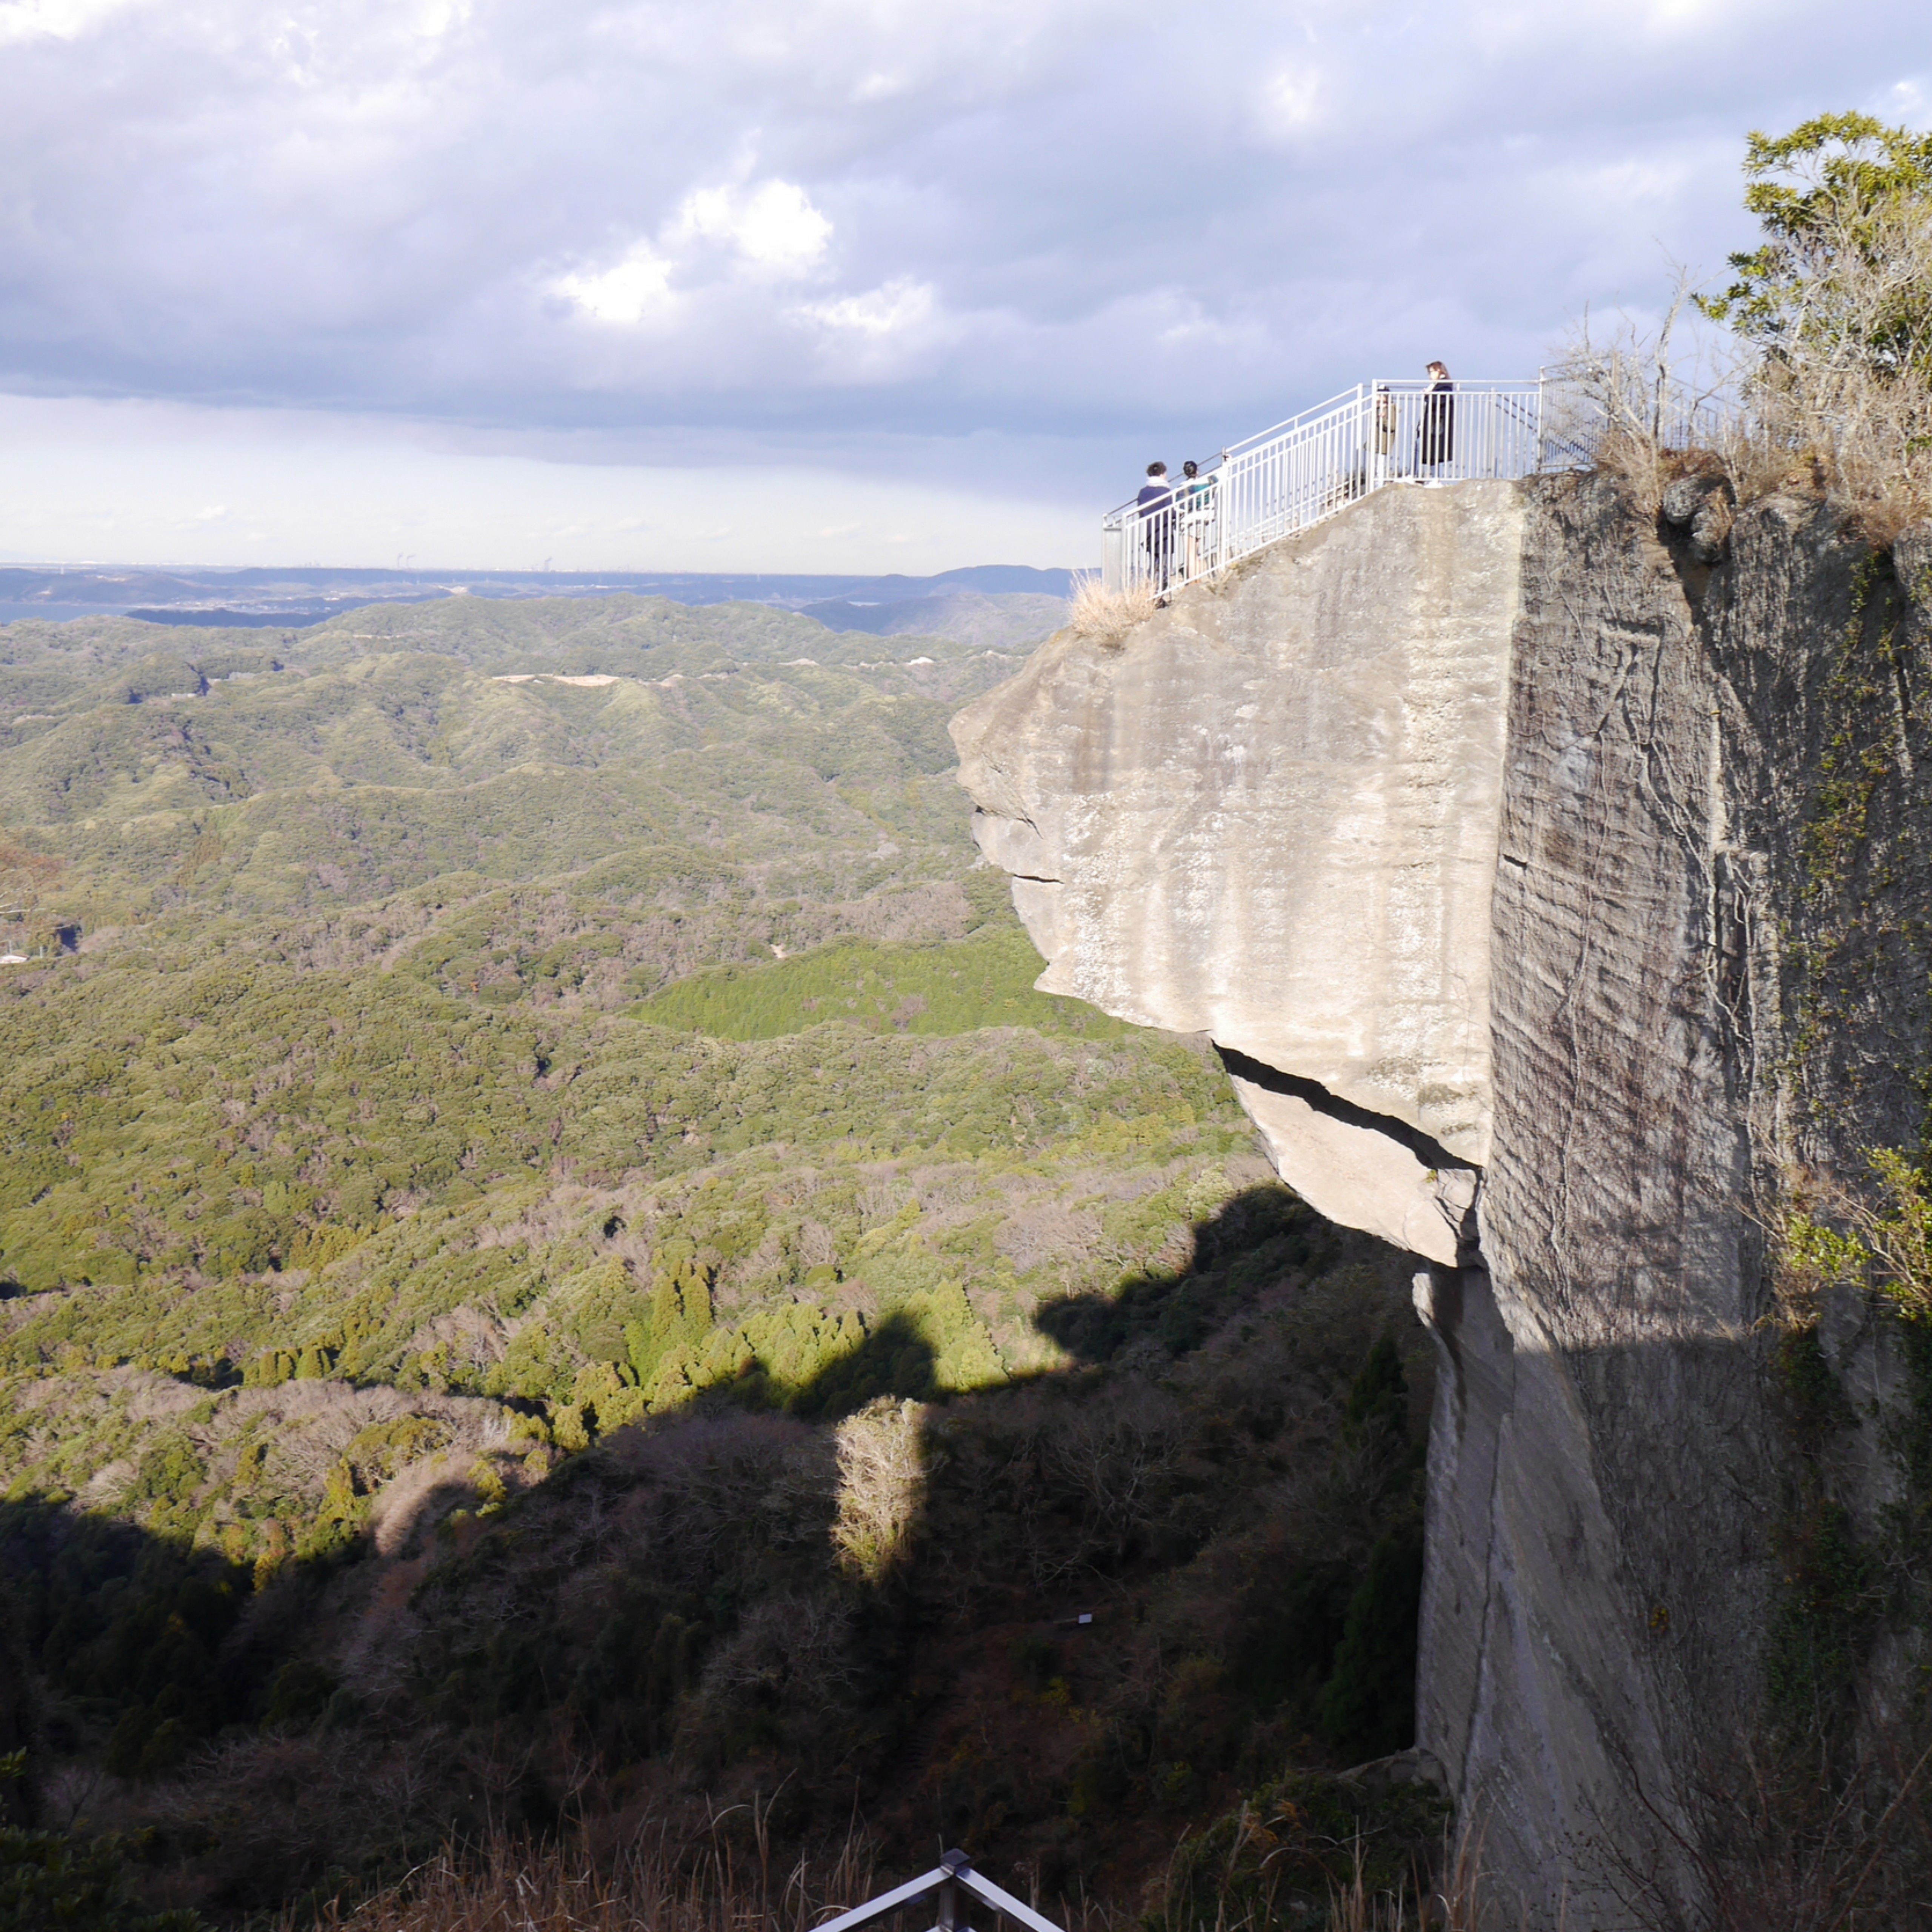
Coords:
pixel 1480 828
pixel 1272 818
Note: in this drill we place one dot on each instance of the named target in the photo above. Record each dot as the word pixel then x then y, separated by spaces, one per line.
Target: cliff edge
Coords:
pixel 1479 828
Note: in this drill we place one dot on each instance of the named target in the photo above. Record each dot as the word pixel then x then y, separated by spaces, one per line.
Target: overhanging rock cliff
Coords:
pixel 1272 819
pixel 1479 828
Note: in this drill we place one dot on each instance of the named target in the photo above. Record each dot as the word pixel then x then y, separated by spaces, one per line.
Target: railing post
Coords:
pixel 1113 562
pixel 952 1863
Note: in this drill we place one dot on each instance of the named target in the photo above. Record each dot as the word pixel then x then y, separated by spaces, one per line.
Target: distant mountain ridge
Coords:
pixel 268 596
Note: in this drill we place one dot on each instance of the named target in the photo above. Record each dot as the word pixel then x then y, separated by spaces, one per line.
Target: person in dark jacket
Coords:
pixel 1156 501
pixel 1435 440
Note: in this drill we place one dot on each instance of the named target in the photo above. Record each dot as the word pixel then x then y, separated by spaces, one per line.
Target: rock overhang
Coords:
pixel 1271 816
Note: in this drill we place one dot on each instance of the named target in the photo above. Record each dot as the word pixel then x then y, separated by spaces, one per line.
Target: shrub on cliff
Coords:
pixel 1824 377
pixel 1837 302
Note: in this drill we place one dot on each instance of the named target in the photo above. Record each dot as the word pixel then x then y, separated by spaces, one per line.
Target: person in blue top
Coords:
pixel 1156 503
pixel 1194 496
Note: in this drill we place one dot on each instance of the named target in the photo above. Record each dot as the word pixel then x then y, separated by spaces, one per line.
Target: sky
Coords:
pixel 788 285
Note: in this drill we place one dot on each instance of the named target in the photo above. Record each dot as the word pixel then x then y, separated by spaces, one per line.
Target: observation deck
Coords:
pixel 1380 434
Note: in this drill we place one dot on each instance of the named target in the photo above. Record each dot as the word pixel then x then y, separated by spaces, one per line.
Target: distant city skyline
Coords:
pixel 829 286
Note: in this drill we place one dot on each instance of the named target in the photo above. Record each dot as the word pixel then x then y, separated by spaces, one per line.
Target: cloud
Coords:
pixel 773 225
pixel 636 286
pixel 122 482
pixel 22 20
pixel 901 307
pixel 771 232
pixel 862 225
pixel 1288 101
pixel 888 334
pixel 1909 101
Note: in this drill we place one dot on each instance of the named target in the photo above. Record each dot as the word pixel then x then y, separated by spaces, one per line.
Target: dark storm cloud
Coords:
pixel 792 220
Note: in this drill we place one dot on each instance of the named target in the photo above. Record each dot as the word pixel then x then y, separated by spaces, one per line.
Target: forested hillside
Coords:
pixel 555 1266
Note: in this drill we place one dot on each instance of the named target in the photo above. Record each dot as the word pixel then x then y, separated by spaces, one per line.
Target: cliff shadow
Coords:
pixel 1057 1615
pixel 896 1362
pixel 1262 1237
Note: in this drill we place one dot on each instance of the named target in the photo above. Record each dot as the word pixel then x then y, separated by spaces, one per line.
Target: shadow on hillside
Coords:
pixel 1266 1227
pixel 128 1626
pixel 894 1361
pixel 1258 1235
pixel 812 1578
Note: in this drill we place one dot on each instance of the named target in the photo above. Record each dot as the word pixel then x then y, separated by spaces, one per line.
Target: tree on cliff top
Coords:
pixel 1845 271
pixel 1834 310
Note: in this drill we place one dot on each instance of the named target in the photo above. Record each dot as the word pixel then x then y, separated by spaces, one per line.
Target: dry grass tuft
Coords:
pixel 1646 413
pixel 1861 440
pixel 1104 616
pixel 551 1888
pixel 519 1885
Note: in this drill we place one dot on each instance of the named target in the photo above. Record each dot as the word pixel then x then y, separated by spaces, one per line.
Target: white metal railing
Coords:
pixel 1292 476
pixel 954 1887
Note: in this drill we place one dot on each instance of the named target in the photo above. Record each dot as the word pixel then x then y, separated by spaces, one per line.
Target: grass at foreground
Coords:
pixel 549 1887
pixel 650 1887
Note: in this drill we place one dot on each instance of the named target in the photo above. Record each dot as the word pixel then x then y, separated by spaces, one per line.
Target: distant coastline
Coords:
pixel 265 597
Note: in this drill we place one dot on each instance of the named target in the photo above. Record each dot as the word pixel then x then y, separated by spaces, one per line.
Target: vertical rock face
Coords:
pixel 1481 829
pixel 1602 1456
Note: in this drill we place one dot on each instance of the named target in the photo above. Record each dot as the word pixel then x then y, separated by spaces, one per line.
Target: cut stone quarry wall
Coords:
pixel 1489 831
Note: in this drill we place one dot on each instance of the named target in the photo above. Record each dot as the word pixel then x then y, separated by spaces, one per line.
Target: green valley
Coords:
pixel 544 1224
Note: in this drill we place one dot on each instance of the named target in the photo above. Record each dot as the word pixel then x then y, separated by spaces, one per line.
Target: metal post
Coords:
pixel 952 1864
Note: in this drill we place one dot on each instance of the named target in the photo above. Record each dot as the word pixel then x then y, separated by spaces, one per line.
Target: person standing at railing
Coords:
pixel 1385 417
pixel 1196 495
pixel 1435 440
pixel 1156 504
